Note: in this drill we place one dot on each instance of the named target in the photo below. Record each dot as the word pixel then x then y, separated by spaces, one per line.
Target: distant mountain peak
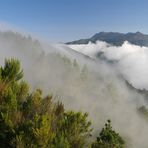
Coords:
pixel 116 38
pixel 138 32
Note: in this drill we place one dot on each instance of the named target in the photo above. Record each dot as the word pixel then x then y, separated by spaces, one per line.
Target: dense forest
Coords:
pixel 32 120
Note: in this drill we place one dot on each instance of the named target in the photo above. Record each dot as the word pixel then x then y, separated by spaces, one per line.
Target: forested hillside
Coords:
pixel 88 90
pixel 31 120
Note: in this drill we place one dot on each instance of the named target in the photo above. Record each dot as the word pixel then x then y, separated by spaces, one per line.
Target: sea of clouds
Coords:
pixel 130 60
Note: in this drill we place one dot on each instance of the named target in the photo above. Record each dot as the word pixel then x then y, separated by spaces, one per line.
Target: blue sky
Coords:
pixel 66 20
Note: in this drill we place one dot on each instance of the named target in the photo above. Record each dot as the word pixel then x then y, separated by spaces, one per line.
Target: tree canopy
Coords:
pixel 31 120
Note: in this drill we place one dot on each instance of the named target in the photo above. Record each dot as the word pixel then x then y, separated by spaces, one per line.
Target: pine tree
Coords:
pixel 108 138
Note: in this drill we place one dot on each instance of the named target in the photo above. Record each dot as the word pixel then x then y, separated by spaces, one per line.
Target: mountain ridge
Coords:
pixel 116 38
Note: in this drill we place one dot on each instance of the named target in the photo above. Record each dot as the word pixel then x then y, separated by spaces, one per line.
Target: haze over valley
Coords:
pixel 89 83
pixel 73 74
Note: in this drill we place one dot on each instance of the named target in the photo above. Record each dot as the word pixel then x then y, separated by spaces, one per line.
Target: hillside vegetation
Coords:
pixel 31 120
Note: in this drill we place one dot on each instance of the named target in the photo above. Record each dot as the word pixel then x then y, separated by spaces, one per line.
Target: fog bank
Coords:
pixel 130 60
pixel 81 83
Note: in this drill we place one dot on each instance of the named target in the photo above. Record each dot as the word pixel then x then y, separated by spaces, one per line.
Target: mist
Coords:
pixel 85 83
pixel 130 60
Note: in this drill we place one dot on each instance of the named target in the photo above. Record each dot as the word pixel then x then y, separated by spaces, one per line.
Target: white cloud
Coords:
pixel 132 60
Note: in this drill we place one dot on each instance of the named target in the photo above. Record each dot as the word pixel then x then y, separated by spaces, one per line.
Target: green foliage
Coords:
pixel 108 138
pixel 29 120
pixel 11 70
pixel 75 128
